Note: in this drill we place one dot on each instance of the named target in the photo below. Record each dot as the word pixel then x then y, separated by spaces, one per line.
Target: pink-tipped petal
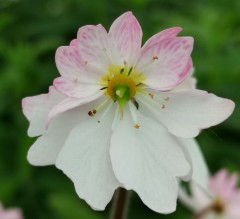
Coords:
pixel 190 82
pixel 233 210
pixel 36 110
pixel 75 89
pixel 163 35
pixel 73 67
pixel 125 39
pixel 92 43
pixel 166 64
pixel 11 213
pixel 217 182
pixel 224 184
pixel 73 42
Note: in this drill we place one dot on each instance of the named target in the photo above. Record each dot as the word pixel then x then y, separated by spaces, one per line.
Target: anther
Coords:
pixel 150 95
pixel 136 126
pixel 86 62
pixel 135 103
pixel 103 88
pixel 138 84
pixel 76 80
pixel 130 70
pixel 166 98
pixel 155 58
pixel 125 63
pixel 92 112
pixel 163 106
pixel 122 70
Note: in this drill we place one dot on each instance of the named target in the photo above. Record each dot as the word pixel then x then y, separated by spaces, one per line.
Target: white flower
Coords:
pixel 118 114
pixel 221 199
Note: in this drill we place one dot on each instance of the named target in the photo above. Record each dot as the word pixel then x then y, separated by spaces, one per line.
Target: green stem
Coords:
pixel 120 204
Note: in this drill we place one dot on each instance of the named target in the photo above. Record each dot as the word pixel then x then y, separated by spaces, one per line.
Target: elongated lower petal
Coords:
pixel 85 160
pixel 186 113
pixel 148 160
pixel 200 170
pixel 47 147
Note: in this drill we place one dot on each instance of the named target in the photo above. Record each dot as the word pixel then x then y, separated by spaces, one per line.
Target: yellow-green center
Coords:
pixel 122 84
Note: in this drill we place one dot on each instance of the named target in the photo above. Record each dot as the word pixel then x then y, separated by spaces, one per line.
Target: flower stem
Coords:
pixel 120 204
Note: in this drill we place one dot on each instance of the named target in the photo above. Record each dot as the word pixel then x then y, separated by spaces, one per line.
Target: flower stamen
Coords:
pixel 92 112
pixel 134 115
pixel 154 58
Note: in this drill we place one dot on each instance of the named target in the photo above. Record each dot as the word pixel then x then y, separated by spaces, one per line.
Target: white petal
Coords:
pixel 75 89
pixel 70 103
pixel 47 147
pixel 185 113
pixel 200 170
pixel 36 110
pixel 85 160
pixel 201 197
pixel 125 37
pixel 148 160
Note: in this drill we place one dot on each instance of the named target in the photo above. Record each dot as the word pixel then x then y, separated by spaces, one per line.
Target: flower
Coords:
pixel 12 213
pixel 117 115
pixel 221 200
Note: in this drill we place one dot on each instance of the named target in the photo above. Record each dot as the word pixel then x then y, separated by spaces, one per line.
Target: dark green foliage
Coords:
pixel 30 32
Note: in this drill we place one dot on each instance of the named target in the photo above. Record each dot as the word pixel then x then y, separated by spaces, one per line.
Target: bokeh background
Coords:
pixel 30 32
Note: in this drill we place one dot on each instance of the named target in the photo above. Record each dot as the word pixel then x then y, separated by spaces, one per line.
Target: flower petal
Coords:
pixel 224 184
pixel 72 66
pixel 92 44
pixel 190 82
pixel 36 110
pixel 12 213
pixel 164 64
pixel 163 35
pixel 125 39
pixel 85 160
pixel 186 113
pixel 201 197
pixel 200 169
pixel 148 161
pixel 76 88
pixel 70 103
pixel 47 147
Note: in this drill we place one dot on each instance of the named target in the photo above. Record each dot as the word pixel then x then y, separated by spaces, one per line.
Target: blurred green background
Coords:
pixel 30 32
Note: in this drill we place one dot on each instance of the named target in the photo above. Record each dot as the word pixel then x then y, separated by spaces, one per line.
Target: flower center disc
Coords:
pixel 121 89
